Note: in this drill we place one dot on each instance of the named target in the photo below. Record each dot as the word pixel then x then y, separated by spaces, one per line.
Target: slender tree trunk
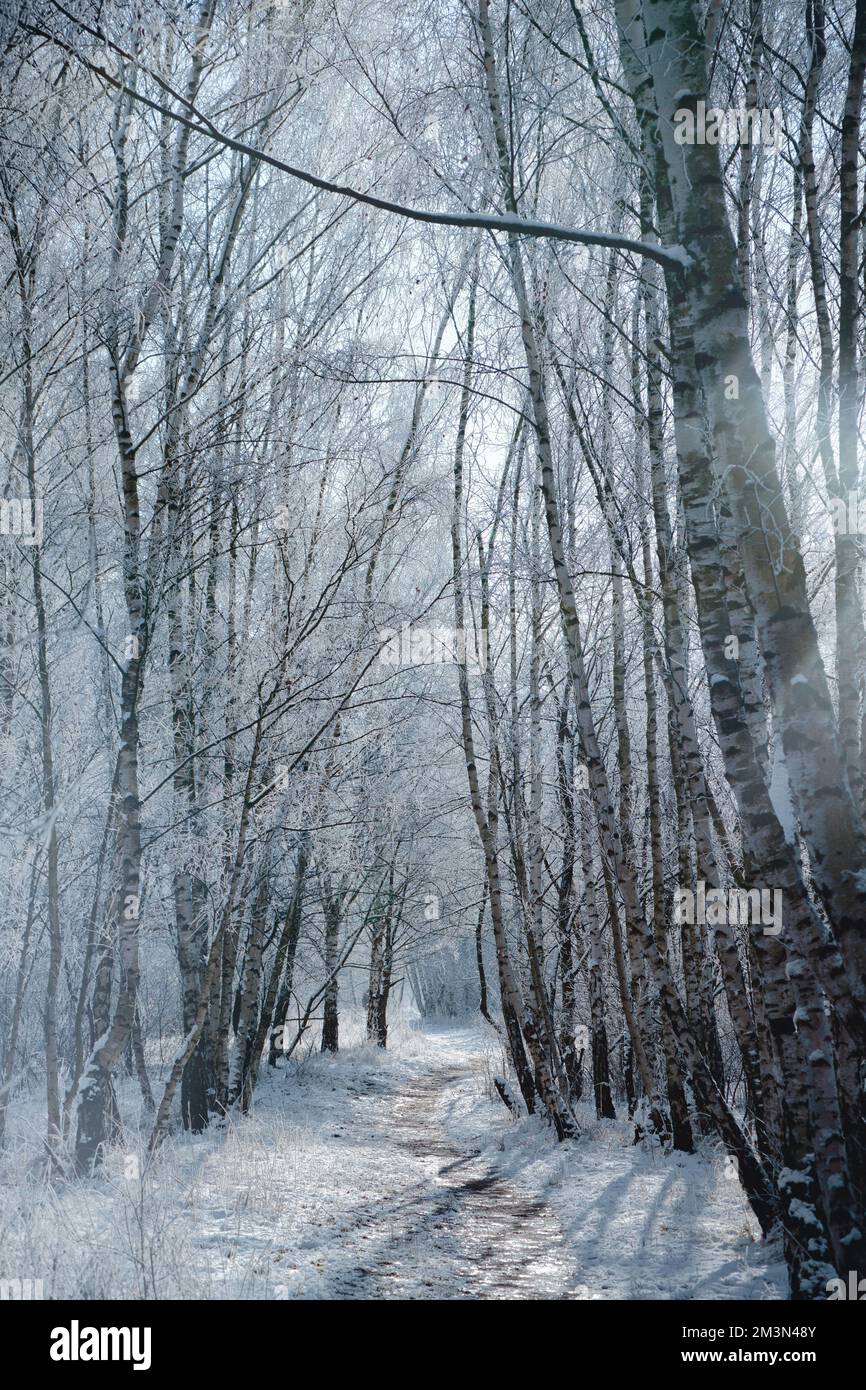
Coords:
pixel 486 823
pixel 331 1017
pixel 604 1106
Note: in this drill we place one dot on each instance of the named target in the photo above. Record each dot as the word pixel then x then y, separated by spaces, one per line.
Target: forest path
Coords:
pixel 462 1230
pixel 399 1175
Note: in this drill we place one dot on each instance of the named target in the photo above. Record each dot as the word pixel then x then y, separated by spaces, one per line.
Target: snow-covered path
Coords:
pixel 394 1175
pixel 462 1230
pixel 438 1194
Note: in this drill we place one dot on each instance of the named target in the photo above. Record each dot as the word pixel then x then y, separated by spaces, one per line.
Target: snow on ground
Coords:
pixel 392 1175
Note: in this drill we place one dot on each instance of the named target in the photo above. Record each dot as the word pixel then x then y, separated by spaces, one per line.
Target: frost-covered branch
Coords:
pixel 672 257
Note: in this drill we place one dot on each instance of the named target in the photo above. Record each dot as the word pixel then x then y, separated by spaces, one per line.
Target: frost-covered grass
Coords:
pixel 330 1178
pixel 215 1215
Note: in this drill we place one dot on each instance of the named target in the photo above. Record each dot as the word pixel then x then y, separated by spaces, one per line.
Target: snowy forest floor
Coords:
pixel 371 1175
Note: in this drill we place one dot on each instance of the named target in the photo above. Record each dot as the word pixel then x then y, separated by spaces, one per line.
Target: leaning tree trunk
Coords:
pixel 674 626
pixel 775 575
pixel 850 637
